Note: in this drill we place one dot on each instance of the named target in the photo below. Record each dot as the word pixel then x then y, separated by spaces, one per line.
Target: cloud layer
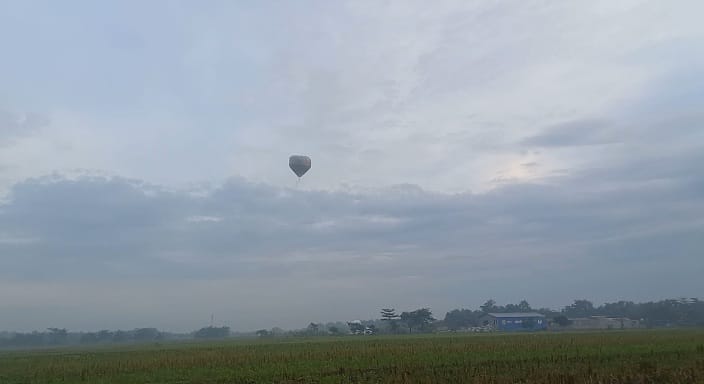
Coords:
pixel 627 236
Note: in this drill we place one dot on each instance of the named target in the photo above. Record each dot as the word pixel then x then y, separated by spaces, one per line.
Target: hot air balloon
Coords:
pixel 299 164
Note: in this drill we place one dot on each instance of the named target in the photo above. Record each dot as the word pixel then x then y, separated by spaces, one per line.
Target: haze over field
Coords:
pixel 545 150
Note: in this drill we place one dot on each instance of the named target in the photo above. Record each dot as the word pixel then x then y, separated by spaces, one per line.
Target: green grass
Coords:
pixel 605 357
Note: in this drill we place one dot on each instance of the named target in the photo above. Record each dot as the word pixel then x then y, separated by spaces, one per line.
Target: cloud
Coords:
pixel 204 219
pixel 377 94
pixel 574 133
pixel 17 125
pixel 114 230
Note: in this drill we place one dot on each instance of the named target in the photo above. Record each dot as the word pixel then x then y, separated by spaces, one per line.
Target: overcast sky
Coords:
pixel 539 150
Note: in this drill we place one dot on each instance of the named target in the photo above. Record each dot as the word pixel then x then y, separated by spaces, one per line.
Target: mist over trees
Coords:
pixel 212 333
pixel 57 336
pixel 683 312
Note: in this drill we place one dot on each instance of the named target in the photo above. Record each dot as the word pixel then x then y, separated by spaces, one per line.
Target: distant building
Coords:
pixel 603 322
pixel 514 322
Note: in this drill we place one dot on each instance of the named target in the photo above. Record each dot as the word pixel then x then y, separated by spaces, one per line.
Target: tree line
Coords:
pixel 61 336
pixel 681 312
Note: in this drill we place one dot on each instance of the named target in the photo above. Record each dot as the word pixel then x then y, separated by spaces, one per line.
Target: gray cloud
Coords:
pixel 69 231
pixel 575 133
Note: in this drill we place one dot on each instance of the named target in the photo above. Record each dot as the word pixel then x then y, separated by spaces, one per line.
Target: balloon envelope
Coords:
pixel 299 164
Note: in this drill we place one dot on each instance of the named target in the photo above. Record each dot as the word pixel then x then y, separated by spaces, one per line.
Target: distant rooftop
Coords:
pixel 516 314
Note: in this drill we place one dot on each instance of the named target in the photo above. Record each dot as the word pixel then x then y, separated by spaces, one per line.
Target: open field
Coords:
pixel 605 357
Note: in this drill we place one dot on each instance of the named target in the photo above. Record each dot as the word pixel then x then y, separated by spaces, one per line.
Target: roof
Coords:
pixel 515 314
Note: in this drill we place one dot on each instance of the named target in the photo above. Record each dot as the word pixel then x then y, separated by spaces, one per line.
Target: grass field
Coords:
pixel 607 357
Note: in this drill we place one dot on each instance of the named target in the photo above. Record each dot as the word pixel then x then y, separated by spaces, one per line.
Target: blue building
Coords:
pixel 515 322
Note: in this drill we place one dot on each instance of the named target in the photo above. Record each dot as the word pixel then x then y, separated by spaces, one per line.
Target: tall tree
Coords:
pixel 462 318
pixel 419 319
pixel 580 308
pixel 356 327
pixel 262 333
pixel 389 315
pixel 523 306
pixel 489 306
pixel 313 328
